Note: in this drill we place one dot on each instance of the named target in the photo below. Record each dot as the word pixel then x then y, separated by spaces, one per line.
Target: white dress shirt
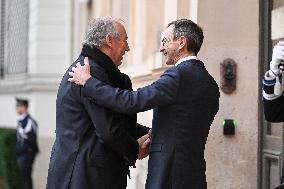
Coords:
pixel 185 59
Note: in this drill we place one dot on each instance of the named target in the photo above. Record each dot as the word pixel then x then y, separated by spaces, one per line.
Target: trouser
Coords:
pixel 25 162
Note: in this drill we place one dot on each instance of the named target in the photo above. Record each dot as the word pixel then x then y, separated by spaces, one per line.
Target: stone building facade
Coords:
pixel 39 39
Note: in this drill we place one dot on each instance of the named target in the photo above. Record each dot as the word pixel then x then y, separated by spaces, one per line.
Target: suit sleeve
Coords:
pixel 160 93
pixel 111 131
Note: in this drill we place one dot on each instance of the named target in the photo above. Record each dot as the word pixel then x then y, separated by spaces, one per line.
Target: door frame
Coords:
pixel 265 46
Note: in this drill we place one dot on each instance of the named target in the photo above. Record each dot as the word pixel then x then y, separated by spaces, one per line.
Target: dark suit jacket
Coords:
pixel 186 100
pixel 94 146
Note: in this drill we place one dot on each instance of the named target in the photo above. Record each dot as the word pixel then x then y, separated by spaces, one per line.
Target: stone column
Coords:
pixel 101 8
pixel 170 11
pixel 193 7
pixel 139 31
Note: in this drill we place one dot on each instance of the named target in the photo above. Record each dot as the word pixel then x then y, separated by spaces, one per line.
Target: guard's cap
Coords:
pixel 22 102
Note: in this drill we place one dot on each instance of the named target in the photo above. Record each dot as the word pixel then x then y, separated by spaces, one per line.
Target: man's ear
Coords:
pixel 182 42
pixel 109 41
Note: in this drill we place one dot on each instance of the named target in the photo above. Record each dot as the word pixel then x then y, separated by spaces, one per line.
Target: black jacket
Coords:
pixel 274 109
pixel 94 146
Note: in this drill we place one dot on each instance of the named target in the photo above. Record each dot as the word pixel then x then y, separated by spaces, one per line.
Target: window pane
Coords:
pixel 278 3
pixel 16 36
pixel 2 21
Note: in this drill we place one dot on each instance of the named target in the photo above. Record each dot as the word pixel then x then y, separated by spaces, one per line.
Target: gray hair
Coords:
pixel 191 31
pixel 98 29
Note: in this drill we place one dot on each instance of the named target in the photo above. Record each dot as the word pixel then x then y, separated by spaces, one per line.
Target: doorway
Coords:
pixel 271 134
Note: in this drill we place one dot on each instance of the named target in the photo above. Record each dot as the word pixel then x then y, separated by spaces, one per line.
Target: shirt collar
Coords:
pixel 185 59
pixel 22 116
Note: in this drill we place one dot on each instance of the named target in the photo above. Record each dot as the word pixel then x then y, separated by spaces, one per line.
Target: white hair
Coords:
pixel 98 29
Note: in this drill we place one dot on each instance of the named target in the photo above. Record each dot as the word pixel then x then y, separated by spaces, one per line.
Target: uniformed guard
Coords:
pixel 26 145
pixel 273 88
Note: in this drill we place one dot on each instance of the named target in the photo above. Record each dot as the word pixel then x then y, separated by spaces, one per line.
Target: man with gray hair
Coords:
pixel 95 146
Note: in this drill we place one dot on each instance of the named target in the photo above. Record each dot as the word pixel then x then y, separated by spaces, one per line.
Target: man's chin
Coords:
pixel 118 63
pixel 170 62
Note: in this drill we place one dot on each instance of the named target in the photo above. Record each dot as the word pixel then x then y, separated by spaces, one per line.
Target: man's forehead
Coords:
pixel 167 32
pixel 121 29
pixel 123 35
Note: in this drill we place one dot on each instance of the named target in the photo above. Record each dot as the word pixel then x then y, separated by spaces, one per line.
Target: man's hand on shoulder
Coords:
pixel 80 74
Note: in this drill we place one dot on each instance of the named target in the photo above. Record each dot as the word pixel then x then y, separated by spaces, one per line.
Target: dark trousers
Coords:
pixel 25 163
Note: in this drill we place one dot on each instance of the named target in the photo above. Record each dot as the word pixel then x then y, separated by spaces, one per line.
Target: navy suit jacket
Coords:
pixel 186 100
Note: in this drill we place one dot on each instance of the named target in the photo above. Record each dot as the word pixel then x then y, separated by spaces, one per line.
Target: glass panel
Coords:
pixel 278 3
pixel 2 21
pixel 16 37
pixel 273 173
pixel 276 129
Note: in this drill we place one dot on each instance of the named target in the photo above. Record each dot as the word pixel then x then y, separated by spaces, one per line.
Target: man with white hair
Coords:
pixel 95 146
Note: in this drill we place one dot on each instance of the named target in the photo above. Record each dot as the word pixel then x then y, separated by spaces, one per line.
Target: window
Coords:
pixel 14 37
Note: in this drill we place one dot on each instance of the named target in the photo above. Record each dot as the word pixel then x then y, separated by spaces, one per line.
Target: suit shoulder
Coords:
pixel 170 76
pixel 191 63
pixel 172 72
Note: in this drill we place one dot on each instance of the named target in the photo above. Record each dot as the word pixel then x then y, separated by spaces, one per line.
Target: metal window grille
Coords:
pixel 2 13
pixel 14 36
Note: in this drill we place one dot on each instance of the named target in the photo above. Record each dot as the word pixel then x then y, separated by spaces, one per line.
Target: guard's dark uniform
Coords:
pixel 26 148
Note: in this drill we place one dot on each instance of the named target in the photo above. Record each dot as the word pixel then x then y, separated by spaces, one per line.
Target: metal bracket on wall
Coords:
pixel 228 77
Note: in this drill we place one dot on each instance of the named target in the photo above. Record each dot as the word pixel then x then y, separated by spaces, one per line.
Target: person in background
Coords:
pixel 273 99
pixel 26 145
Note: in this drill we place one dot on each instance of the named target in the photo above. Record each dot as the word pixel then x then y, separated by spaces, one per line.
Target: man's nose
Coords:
pixel 127 47
pixel 161 49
